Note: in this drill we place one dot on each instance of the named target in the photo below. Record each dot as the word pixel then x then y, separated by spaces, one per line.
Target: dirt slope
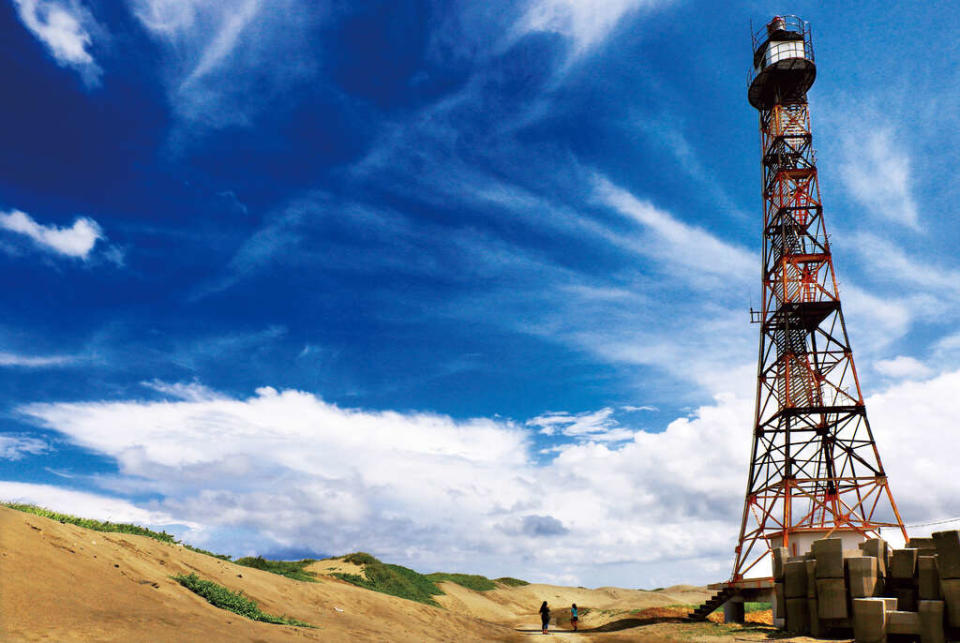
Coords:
pixel 59 582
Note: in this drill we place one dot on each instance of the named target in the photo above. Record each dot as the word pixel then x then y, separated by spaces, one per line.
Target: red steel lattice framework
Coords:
pixel 814 465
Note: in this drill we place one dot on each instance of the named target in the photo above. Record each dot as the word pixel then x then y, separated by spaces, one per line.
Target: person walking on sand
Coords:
pixel 544 616
pixel 574 617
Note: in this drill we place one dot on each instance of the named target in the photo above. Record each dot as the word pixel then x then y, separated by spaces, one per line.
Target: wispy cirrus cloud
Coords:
pixel 877 172
pixel 64 27
pixel 36 361
pixel 224 62
pixel 17 446
pixel 586 22
pixel 76 241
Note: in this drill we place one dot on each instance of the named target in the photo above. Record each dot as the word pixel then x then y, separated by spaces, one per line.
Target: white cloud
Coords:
pixel 84 504
pixel 35 361
pixel 64 27
pixel 585 22
pixel 435 493
pixel 877 173
pixel 676 242
pixel 191 392
pixel 423 489
pixel 902 367
pixel 225 61
pixel 599 426
pixel 15 447
pixel 75 241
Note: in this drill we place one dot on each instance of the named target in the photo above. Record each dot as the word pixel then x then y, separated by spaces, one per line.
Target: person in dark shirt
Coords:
pixel 544 616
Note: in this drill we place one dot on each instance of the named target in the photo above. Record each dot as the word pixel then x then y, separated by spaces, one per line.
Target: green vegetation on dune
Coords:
pixel 290 568
pixel 96 525
pixel 236 602
pixel 391 579
pixel 470 581
pixel 511 582
pixel 107 526
pixel 755 607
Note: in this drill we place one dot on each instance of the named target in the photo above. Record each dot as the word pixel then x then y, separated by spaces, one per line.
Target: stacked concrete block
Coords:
pixel 780 556
pixel 928 579
pixel 931 615
pixel 902 582
pixel 831 587
pixel 948 562
pixel 877 547
pixel 795 595
pixel 863 577
pixel 870 620
pixel 925 546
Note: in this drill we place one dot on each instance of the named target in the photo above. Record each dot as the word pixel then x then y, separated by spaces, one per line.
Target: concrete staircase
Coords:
pixel 721 597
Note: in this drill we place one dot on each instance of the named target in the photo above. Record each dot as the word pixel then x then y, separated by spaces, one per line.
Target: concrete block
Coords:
pixel 900 622
pixel 795 579
pixel 779 604
pixel 798 618
pixel 928 579
pixel 869 620
pixel 817 630
pixel 891 603
pixel 948 552
pixel 951 599
pixel 831 598
pixel 829 555
pixel 811 579
pixel 925 546
pixel 931 621
pixel 904 564
pixel 863 579
pixel 906 598
pixel 779 558
pixel 877 547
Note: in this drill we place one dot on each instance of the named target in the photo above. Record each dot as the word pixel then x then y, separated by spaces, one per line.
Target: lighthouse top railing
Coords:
pixel 782 29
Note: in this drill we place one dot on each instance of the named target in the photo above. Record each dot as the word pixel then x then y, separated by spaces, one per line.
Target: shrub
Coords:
pixel 96 525
pixel 394 580
pixel 361 558
pixel 290 568
pixel 470 581
pixel 511 582
pixel 236 602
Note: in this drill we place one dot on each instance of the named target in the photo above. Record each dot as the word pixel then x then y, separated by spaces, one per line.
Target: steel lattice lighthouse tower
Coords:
pixel 815 470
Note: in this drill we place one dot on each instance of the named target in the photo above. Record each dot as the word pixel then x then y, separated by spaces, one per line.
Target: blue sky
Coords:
pixel 464 285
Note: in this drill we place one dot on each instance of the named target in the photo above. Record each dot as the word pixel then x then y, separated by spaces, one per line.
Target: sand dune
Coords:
pixel 60 582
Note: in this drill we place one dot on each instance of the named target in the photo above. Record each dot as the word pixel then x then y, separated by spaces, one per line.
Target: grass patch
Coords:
pixel 236 602
pixel 391 579
pixel 290 568
pixel 107 526
pixel 755 607
pixel 95 525
pixel 470 581
pixel 206 553
pixel 360 558
pixel 511 582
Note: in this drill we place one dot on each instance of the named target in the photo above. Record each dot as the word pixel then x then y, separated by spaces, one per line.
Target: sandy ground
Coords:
pixel 59 582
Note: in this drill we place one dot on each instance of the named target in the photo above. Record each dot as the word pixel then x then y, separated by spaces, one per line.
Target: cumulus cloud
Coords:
pixel 64 27
pixel 15 447
pixel 84 504
pixel 902 366
pixel 76 241
pixel 426 490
